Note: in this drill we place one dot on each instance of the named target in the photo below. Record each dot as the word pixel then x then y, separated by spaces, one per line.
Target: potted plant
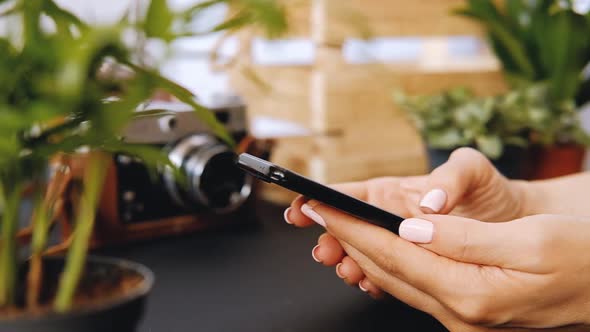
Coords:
pixel 56 101
pixel 501 127
pixel 538 45
pixel 532 131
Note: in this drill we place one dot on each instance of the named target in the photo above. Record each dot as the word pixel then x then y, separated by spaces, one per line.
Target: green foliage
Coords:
pixel 53 100
pixel 543 40
pixel 544 47
pixel 457 118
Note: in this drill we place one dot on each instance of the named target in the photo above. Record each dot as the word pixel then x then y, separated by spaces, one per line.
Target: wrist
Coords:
pixel 530 195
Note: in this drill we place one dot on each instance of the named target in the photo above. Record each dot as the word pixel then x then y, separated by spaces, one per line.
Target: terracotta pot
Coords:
pixel 555 161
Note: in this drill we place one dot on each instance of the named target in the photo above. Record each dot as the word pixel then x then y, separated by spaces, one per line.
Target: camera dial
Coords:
pixel 211 178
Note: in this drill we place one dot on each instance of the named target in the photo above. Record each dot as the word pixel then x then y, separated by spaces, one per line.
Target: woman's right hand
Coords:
pixel 466 185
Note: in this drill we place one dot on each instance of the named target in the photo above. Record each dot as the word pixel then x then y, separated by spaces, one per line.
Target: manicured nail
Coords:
pixel 338 273
pixel 314 254
pixel 286 216
pixel 416 230
pixel 361 287
pixel 434 200
pixel 311 214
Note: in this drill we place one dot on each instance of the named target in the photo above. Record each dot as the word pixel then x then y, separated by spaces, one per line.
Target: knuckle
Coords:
pixel 543 240
pixel 466 153
pixel 476 311
pixel 385 258
pixel 473 156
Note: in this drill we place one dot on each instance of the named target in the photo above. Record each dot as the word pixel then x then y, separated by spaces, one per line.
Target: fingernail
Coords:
pixel 314 254
pixel 338 273
pixel 434 200
pixel 416 230
pixel 311 214
pixel 286 216
pixel 361 286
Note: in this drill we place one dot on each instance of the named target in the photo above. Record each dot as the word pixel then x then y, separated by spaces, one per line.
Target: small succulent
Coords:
pixel 520 117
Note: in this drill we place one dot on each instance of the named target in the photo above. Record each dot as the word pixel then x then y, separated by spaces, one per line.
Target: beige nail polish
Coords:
pixel 314 255
pixel 434 200
pixel 416 230
pixel 338 273
pixel 286 216
pixel 311 214
pixel 361 286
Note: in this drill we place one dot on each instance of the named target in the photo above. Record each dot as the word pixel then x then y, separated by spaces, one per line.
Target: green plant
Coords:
pixel 53 101
pixel 543 56
pixel 458 118
pixel 538 41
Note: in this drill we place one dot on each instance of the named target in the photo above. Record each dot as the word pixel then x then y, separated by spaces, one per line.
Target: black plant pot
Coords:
pixel 513 163
pixel 114 314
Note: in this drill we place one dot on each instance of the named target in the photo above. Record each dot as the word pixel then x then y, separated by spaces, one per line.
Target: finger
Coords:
pixel 294 216
pixel 328 251
pixel 396 287
pixel 447 184
pixel 512 245
pixel 350 272
pixel 382 192
pixel 368 287
pixel 412 189
pixel 391 253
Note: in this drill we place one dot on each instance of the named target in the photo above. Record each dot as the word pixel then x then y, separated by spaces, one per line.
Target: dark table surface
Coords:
pixel 257 277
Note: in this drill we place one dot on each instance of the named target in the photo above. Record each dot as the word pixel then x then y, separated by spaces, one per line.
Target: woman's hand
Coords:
pixel 532 272
pixel 467 185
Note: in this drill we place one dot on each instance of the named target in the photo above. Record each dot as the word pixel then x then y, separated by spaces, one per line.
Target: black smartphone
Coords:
pixel 272 173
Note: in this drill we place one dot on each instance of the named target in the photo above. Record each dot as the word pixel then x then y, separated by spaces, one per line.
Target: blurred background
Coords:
pixel 354 89
pixel 359 89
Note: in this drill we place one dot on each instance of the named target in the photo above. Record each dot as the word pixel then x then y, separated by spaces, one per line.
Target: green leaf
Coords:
pixel 253 76
pixel 491 146
pixel 187 97
pixel 238 21
pixel 63 18
pixel 94 176
pixel 511 51
pixel 158 21
pixel 516 141
pixel 445 139
pixel 269 15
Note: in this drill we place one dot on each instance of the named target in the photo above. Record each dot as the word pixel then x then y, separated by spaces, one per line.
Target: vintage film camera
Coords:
pixel 135 205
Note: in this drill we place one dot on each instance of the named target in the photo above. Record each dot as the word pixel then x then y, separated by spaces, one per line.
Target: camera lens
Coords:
pixel 210 176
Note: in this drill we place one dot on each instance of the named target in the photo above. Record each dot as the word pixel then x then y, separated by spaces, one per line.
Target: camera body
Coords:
pixel 213 183
pixel 140 203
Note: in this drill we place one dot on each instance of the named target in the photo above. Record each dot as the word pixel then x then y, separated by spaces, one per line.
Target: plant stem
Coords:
pixel 8 252
pixel 93 180
pixel 45 210
pixel 41 218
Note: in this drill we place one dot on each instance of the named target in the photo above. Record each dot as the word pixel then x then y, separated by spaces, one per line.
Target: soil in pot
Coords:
pixel 111 297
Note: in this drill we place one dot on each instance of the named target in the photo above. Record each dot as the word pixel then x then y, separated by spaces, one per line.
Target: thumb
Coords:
pixel 506 244
pixel 449 183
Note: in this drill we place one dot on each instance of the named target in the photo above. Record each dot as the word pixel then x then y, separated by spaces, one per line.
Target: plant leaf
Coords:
pixel 186 97
pixel 158 21
pixel 491 146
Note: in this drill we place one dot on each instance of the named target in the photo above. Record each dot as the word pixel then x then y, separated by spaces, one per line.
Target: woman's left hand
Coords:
pixel 532 272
